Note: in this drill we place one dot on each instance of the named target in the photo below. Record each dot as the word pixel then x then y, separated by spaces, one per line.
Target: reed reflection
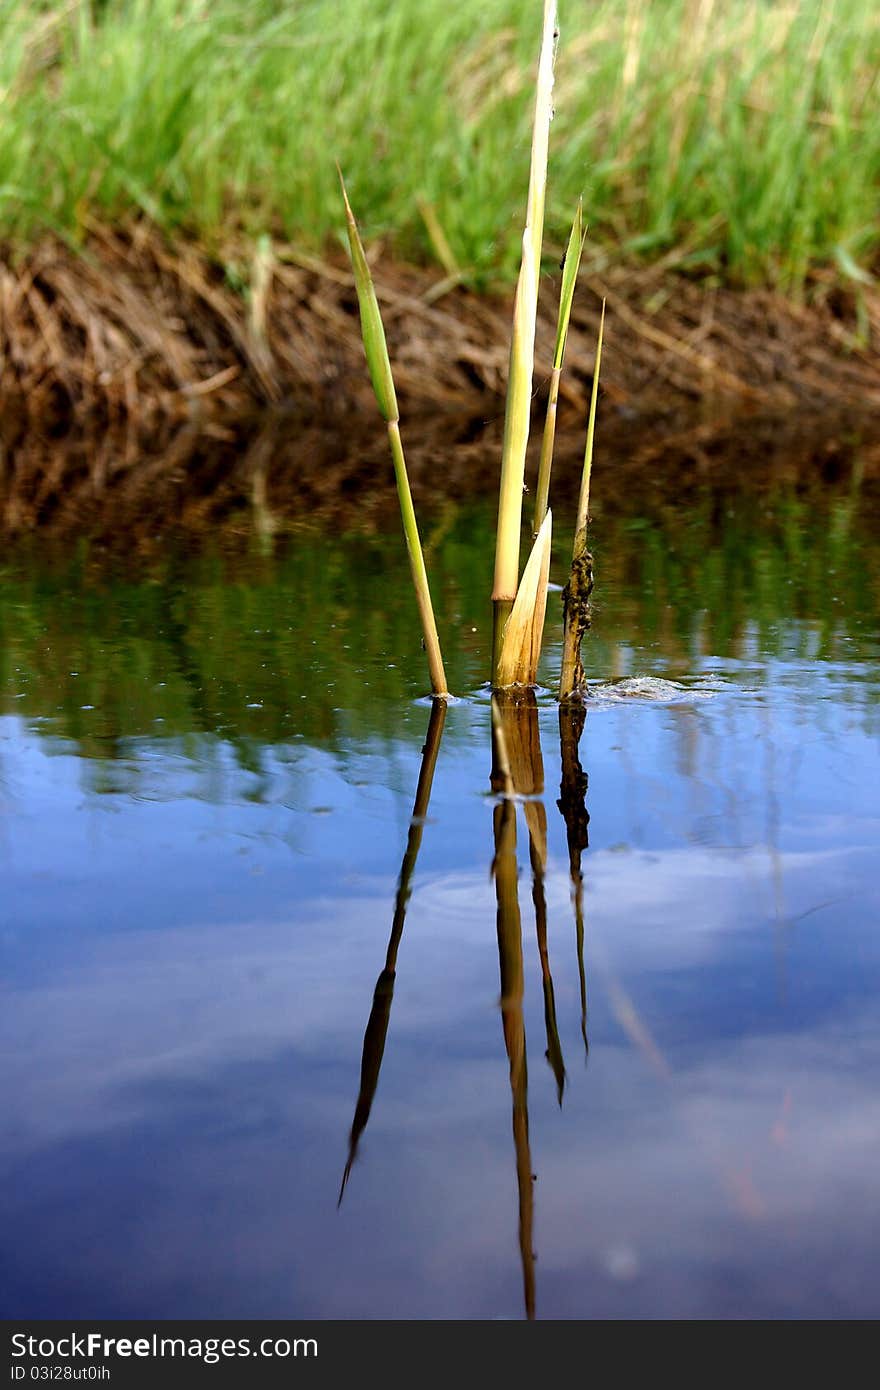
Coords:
pixel 572 804
pixel 517 778
pixel 518 775
pixel 380 1014
pixel 512 734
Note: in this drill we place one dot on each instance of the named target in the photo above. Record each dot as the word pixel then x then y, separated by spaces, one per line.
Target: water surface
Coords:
pixel 614 1059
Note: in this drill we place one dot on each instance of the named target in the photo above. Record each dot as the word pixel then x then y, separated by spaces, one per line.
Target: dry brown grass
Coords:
pixel 131 328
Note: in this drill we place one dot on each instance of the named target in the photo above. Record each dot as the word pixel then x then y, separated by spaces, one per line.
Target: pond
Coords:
pixel 278 1046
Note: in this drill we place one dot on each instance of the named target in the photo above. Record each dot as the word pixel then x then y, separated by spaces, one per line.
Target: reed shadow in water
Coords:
pixel 380 1014
pixel 518 775
pixel 572 804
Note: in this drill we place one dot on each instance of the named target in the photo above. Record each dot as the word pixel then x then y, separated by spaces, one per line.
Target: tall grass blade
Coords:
pixel 522 347
pixel 576 596
pixel 379 365
pixel 521 641
pixel 570 268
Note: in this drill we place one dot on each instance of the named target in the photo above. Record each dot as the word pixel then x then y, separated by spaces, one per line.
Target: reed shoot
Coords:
pixel 379 364
pixel 570 267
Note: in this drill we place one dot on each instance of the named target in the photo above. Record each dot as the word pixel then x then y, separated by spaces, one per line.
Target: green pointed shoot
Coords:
pixel 379 364
pixel 570 268
pixel 576 596
pixel 372 329
pixel 583 512
pixel 522 347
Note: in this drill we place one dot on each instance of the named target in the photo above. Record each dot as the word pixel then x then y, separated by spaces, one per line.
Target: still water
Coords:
pixel 604 1051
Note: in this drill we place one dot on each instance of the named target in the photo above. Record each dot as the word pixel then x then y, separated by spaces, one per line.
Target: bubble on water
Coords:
pixel 622 1262
pixel 653 688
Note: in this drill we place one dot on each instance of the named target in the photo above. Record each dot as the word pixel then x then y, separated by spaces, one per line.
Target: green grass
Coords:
pixel 743 132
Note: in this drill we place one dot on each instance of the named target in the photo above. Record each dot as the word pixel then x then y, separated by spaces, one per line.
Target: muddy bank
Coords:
pixel 130 328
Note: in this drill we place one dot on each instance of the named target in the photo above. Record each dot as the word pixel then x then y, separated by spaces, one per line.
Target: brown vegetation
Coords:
pixel 131 486
pixel 132 328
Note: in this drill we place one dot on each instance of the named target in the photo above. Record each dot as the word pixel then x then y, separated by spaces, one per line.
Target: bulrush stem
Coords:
pixel 417 563
pixel 522 345
pixel 576 595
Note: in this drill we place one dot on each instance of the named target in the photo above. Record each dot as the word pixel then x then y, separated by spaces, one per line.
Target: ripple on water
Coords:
pixel 653 688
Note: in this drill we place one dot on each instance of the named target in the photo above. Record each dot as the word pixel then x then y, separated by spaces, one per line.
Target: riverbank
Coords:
pixel 743 137
pixel 134 327
pixel 170 217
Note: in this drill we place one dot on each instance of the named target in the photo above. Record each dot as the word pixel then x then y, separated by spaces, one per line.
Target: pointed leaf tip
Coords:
pixel 372 330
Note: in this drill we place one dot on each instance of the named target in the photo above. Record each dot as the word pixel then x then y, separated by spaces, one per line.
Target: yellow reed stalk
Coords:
pixel 522 347
pixel 379 364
